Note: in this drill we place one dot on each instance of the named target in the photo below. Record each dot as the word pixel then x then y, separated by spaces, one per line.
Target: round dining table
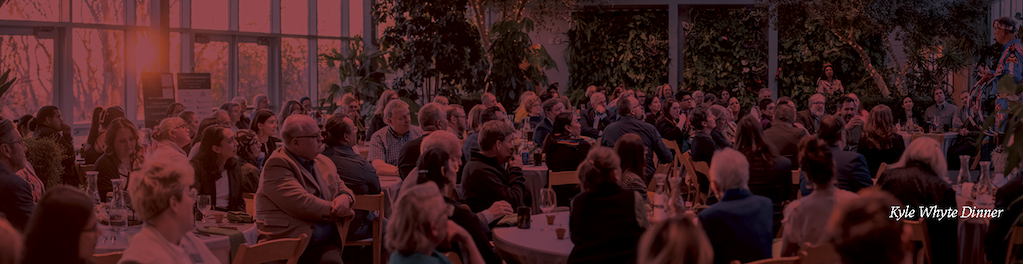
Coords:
pixel 536 180
pixel 533 245
pixel 218 244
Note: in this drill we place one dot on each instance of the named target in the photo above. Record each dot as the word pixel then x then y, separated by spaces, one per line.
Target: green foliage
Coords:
pixel 5 84
pixel 1012 143
pixel 360 70
pixel 726 49
pixel 512 49
pixel 433 46
pixel 45 155
pixel 612 48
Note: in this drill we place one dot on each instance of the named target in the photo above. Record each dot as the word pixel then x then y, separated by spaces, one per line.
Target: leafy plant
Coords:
pixel 45 156
pixel 1012 138
pixel 518 65
pixel 5 84
pixel 612 48
pixel 360 70
pixel 726 50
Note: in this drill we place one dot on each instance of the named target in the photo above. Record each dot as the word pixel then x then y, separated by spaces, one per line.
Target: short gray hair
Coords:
pixel 394 105
pixel 159 180
pixel 730 170
pixel 431 113
pixel 240 100
pixel 441 139
pixel 924 150
pixel 293 126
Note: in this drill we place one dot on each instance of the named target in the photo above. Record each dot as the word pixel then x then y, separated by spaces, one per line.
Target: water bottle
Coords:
pixel 659 198
pixel 524 152
pixel 984 189
pixel 964 173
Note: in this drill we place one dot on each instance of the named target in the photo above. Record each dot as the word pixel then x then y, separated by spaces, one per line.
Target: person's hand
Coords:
pixel 963 131
pixel 600 109
pixel 66 129
pixel 341 206
pixel 500 209
pixel 855 121
pixel 514 161
pixel 456 233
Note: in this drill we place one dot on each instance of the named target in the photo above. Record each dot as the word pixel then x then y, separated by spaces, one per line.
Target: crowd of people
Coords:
pixel 462 173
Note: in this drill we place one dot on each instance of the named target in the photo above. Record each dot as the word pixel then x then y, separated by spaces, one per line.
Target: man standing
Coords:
pixel 432 117
pixel 494 173
pixel 942 110
pixel 811 118
pixel 300 192
pixel 385 145
pixel 847 109
pixel 631 121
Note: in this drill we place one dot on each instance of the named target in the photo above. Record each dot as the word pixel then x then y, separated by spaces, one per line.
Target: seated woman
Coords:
pixel 62 228
pixel 630 147
pixel 653 109
pixel 880 141
pixel 766 113
pixel 94 143
pixel 530 112
pixel 217 172
pixel 565 149
pixel 769 174
pixel 606 221
pixel 438 167
pixel 671 126
pixel 163 200
pixel 704 146
pixel 806 218
pixel 248 153
pixel 264 124
pixel 420 224
pixel 123 156
pixel 676 240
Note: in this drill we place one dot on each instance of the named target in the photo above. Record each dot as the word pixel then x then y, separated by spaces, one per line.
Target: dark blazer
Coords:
pixel 564 153
pixel 243 122
pixel 604 226
pixel 586 120
pixel 359 176
pixel 647 132
pixel 485 181
pixel 670 131
pixel 785 138
pixel 1008 198
pixel 107 165
pixel 541 131
pixel 269 147
pixel 773 181
pixel 206 177
pixel 739 226
pixel 91 155
pixel 70 171
pixel 408 156
pixel 899 114
pixel 876 156
pixel 703 150
pixel 806 118
pixel 917 185
pixel 480 233
pixel 376 123
pixel 15 198
pixel 850 170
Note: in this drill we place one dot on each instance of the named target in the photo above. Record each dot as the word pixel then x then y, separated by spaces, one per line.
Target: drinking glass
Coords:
pixel 204 205
pixel 548 200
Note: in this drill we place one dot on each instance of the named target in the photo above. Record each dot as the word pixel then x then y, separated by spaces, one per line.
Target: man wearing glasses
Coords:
pixel 630 120
pixel 301 193
pixel 15 193
pixel 811 118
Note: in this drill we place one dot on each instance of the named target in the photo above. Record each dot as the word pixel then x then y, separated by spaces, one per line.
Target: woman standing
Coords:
pixel 63 228
pixel 123 155
pixel 828 84
pixel 264 124
pixel 217 173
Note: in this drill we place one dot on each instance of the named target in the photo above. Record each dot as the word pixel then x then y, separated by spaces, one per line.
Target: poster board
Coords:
pixel 196 93
pixel 157 96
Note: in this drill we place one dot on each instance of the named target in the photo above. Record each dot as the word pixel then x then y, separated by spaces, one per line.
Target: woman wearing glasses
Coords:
pixel 123 155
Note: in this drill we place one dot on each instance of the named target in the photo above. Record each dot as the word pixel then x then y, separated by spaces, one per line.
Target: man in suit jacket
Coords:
pixel 850 167
pixel 811 118
pixel 15 193
pixel 739 226
pixel 783 135
pixel 300 192
pixel 551 108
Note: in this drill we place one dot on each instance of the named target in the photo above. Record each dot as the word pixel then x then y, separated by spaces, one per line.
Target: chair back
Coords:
pixel 1015 238
pixel 920 234
pixel 673 146
pixel 372 203
pixel 820 254
pixel 880 170
pixel 289 249
pixel 107 258
pixel 250 203
pixel 562 178
pixel 691 169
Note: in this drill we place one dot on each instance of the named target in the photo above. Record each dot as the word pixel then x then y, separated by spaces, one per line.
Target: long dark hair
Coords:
pixel 44 113
pixel 630 149
pixel 560 121
pixel 816 160
pixel 666 108
pixel 52 235
pixel 113 112
pixel 246 138
pixel 431 167
pixel 260 117
pixel 94 126
pixel 749 140
pixel 205 123
pixel 211 136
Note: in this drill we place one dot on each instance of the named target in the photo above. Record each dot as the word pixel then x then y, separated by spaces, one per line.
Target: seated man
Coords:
pixel 358 174
pixel 457 120
pixel 16 202
pixel 494 173
pixel 300 192
pixel 848 110
pixel 551 108
pixel 851 170
pixel 811 118
pixel 739 226
pixel 630 120
pixel 969 128
pixel 432 117
pixel 385 145
pixel 942 110
pixel 596 117
pixel 783 135
pixel 472 142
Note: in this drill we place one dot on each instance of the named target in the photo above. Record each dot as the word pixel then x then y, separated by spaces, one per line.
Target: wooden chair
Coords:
pixel 692 168
pixel 107 258
pixel 674 147
pixel 880 170
pixel 1015 238
pixel 250 203
pixel 562 178
pixel 820 254
pixel 372 203
pixel 920 234
pixel 82 168
pixel 289 249
pixel 453 257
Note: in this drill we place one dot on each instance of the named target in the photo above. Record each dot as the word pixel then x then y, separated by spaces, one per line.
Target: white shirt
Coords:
pixel 223 189
pixel 149 247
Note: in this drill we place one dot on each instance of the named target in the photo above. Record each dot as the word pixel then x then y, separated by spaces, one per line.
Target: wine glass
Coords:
pixel 204 205
pixel 548 200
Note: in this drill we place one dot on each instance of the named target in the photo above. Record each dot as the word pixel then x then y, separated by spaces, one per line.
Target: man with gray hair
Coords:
pixel 811 118
pixel 630 120
pixel 385 144
pixel 16 201
pixel 596 117
pixel 300 192
pixel 739 226
pixel 432 117
pixel 243 105
pixel 783 134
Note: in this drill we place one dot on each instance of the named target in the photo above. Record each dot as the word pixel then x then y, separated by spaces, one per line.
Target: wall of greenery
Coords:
pixel 726 49
pixel 518 64
pixel 608 48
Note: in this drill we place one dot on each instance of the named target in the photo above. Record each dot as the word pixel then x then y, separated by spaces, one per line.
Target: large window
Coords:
pixel 326 76
pixel 212 58
pixel 294 68
pixel 35 10
pixel 98 57
pixel 254 16
pixel 31 61
pixel 252 70
pixel 210 14
pixel 98 11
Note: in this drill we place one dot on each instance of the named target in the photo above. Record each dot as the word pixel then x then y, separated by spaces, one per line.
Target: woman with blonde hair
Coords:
pixel 678 240
pixel 474 117
pixel 163 198
pixel 724 133
pixel 606 221
pixel 420 224
pixel 377 122
pixel 522 110
pixel 880 142
pixel 530 112
pixel 171 136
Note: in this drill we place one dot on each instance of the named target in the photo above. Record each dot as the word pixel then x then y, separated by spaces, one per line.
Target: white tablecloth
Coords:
pixel 536 179
pixel 389 186
pixel 534 246
pixel 950 137
pixel 219 245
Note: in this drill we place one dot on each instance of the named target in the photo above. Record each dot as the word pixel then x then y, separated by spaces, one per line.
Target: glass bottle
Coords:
pixel 116 209
pixel 91 187
pixel 674 202
pixel 659 198
pixel 984 190
pixel 964 173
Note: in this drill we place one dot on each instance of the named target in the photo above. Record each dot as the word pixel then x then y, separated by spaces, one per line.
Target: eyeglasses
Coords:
pixel 20 141
pixel 318 137
pixel 817 103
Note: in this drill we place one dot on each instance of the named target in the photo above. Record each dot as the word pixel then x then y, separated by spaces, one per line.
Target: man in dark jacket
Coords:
pixel 432 117
pixel 850 167
pixel 16 203
pixel 358 174
pixel 596 117
pixel 783 135
pixel 811 118
pixel 494 173
pixel 630 121
pixel 551 109
pixel 739 226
